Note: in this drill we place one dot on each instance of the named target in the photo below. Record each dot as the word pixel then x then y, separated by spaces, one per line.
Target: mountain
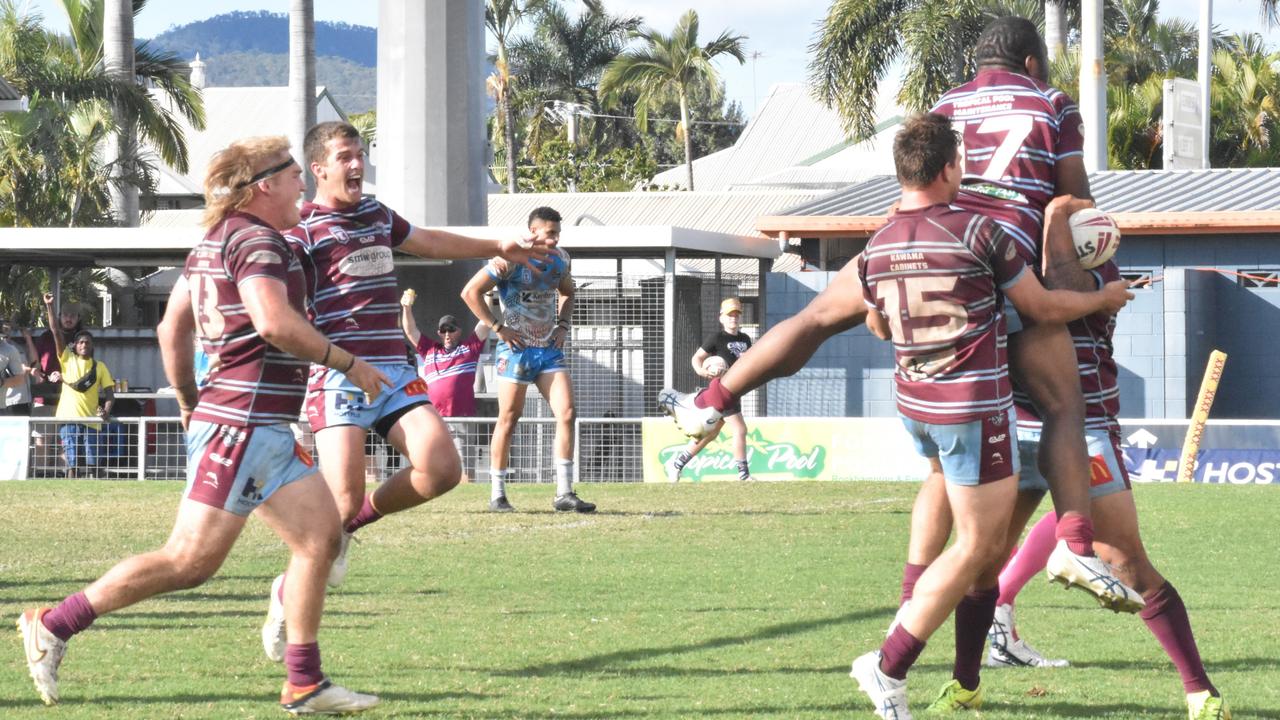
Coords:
pixel 252 48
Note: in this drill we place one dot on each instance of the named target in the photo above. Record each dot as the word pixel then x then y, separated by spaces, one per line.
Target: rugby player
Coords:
pixel 242 294
pixel 934 276
pixel 537 303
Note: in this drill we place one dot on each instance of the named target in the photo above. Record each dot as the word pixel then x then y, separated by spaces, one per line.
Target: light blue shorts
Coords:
pixel 238 468
pixel 1106 463
pixel 971 453
pixel 334 400
pixel 524 366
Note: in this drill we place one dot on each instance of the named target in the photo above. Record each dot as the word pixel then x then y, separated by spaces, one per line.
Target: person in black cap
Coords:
pixel 448 364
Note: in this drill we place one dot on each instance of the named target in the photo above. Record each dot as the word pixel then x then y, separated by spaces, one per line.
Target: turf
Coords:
pixel 713 600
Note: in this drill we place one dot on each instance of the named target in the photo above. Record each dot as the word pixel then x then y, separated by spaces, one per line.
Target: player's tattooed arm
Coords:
pixel 473 295
pixel 1060 266
pixel 176 333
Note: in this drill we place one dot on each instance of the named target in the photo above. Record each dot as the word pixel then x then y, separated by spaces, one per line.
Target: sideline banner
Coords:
pixel 15 436
pixel 1232 452
pixel 792 449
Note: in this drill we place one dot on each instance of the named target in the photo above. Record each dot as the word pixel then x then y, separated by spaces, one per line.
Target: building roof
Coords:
pixel 8 92
pixel 232 113
pixel 724 212
pixel 1142 202
pixel 789 127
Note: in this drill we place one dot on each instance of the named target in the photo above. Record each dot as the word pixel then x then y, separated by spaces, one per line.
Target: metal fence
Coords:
pixel 606 450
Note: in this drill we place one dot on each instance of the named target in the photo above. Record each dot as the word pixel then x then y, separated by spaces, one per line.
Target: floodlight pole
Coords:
pixel 1093 86
pixel 1205 72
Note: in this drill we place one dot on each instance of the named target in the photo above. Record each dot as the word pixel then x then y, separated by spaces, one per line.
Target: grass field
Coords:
pixel 715 600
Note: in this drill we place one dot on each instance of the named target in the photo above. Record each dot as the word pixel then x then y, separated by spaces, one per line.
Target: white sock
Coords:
pixel 564 477
pixel 497 482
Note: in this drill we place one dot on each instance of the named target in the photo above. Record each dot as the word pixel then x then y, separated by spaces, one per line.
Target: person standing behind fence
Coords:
pixel 86 393
pixel 448 366
pixel 728 344
pixel 537 301
pixel 46 348
pixel 16 393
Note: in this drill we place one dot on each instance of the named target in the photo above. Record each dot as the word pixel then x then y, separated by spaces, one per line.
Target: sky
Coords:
pixel 778 33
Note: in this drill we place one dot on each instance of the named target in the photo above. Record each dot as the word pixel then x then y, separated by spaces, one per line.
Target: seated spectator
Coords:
pixel 86 393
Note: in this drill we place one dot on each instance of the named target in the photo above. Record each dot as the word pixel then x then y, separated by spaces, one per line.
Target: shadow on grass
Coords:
pixel 604 661
pixel 1250 664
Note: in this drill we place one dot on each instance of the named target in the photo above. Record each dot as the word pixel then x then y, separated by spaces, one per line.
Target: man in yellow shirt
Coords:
pixel 86 393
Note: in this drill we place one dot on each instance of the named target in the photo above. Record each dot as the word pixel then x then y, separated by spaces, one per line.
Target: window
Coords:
pixel 1258 278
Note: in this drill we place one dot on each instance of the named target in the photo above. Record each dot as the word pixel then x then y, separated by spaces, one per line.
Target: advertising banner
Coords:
pixel 15 434
pixel 1231 452
pixel 792 449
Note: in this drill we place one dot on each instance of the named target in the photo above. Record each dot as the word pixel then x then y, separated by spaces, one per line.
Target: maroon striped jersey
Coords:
pixel 1099 375
pixel 351 279
pixel 1015 129
pixel 250 382
pixel 934 272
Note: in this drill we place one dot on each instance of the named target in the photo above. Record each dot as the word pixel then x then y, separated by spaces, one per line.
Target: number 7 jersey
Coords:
pixel 934 272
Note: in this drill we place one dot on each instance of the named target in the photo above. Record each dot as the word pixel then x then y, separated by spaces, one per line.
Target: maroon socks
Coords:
pixel 366 515
pixel 910 574
pixel 715 396
pixel 1166 617
pixel 70 617
pixel 1077 530
pixel 973 619
pixel 303 663
pixel 899 653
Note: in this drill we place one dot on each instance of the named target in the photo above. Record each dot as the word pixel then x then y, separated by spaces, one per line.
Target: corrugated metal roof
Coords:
pixel 233 113
pixel 725 212
pixel 789 127
pixel 1117 191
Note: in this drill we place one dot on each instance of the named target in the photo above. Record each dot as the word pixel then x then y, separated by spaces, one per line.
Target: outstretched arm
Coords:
pixel 59 343
pixel 787 346
pixel 407 322
pixel 443 245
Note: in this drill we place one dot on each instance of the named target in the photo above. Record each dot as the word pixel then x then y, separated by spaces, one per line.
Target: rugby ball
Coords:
pixel 1096 236
pixel 715 366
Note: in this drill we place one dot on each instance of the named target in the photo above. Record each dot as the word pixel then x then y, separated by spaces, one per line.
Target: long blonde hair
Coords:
pixel 227 185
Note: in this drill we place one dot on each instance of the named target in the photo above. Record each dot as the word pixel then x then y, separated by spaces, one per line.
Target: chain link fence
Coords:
pixel 617 352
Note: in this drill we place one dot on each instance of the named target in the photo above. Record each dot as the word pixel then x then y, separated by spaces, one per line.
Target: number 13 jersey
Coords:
pixel 250 382
pixel 934 273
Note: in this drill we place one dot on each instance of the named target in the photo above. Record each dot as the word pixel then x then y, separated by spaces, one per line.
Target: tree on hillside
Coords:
pixel 666 66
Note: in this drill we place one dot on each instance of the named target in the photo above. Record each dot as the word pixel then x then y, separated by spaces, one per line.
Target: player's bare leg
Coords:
pixel 781 352
pixel 342 458
pixel 201 538
pixel 1042 361
pixel 511 399
pixel 557 388
pixel 434 465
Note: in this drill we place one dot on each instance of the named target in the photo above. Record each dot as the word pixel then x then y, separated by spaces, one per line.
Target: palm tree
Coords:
pixel 1245 104
pixel 669 65
pixel 118 60
pixel 501 17
pixel 302 77
pixel 563 60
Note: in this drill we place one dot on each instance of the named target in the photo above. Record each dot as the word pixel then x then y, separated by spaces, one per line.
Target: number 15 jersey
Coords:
pixel 934 273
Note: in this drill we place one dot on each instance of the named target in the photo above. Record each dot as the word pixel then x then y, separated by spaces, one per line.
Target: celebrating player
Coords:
pixel 537 302
pixel 345 244
pixel 932 275
pixel 242 292
pixel 1023 144
pixel 727 344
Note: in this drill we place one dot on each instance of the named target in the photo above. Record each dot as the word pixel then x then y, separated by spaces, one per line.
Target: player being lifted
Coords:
pixel 537 302
pixel 1042 156
pixel 242 293
pixel 934 276
pixel 345 243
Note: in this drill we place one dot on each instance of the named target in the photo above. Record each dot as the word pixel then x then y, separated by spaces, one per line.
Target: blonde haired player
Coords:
pixel 242 293
pixel 727 344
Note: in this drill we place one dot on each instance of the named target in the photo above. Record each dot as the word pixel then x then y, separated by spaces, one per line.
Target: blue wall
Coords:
pixel 1163 337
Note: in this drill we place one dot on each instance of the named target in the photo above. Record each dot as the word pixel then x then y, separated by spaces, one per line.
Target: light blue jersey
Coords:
pixel 530 299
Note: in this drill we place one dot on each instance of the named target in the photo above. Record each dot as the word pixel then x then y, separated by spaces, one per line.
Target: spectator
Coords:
pixel 14 373
pixel 448 366
pixel 47 352
pixel 87 393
